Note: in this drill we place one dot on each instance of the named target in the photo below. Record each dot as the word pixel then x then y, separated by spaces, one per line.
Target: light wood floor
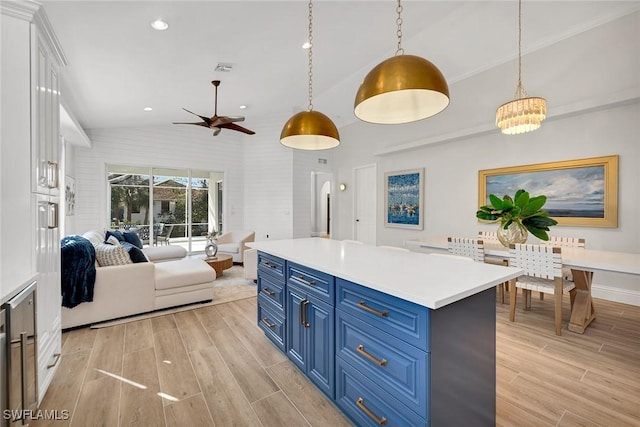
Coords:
pixel 213 366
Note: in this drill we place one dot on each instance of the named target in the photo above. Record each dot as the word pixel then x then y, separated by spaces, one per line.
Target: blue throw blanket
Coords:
pixel 78 270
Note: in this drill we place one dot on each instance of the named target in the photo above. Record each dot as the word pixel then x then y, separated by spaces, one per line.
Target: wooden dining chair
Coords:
pixel 474 249
pixel 542 267
pixel 565 242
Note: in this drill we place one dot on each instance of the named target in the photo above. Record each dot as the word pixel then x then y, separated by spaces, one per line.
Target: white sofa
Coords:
pixel 234 243
pixel 125 290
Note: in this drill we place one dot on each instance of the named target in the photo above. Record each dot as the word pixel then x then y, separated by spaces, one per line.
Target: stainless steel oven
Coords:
pixel 21 375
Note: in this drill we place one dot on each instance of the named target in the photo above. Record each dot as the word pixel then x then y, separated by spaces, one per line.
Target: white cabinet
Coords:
pixel 29 158
pixel 45 109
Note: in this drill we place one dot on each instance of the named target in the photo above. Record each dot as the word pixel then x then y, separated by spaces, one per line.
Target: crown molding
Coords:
pixel 32 11
pixel 21 9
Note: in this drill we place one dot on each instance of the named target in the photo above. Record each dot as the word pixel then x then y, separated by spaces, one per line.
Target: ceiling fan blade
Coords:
pixel 191 123
pixel 239 128
pixel 207 120
pixel 217 121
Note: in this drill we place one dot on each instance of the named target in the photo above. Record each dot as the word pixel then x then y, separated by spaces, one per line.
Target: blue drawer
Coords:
pixel 399 368
pixel 272 324
pixel 316 283
pixel 271 288
pixel 402 319
pixel 367 404
pixel 272 265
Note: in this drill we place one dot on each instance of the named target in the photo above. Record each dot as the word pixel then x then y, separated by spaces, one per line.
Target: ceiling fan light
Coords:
pixel 401 89
pixel 309 130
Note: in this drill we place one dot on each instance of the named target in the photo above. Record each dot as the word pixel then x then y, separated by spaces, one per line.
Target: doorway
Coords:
pixel 364 204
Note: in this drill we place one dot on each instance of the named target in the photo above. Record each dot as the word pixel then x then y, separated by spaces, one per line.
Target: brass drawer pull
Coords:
pixel 268 291
pixel 269 324
pixel 370 414
pixel 306 282
pixel 268 264
pixel 363 306
pixel 56 358
pixel 379 362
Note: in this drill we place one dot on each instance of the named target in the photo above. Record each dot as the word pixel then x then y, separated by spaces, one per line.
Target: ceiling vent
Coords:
pixel 224 67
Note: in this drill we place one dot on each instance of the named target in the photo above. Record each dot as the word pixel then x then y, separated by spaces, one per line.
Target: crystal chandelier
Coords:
pixel 524 113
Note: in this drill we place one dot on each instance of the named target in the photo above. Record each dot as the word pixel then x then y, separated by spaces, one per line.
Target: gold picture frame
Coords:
pixel 581 192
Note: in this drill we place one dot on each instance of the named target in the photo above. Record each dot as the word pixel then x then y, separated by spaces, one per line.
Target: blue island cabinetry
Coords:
pixel 380 358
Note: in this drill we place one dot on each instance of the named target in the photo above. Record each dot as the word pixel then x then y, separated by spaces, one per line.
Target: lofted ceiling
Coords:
pixel 118 65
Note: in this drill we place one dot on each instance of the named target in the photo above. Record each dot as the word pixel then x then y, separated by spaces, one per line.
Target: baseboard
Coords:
pixel 625 296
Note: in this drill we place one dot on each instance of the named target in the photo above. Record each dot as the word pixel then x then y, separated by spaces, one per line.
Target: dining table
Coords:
pixel 582 262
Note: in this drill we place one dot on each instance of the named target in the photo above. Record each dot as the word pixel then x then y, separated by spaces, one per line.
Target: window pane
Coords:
pixel 129 205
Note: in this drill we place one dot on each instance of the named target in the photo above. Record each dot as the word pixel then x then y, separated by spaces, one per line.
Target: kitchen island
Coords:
pixel 394 338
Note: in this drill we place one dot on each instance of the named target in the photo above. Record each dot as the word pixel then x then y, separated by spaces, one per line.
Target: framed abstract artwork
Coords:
pixel 580 192
pixel 404 199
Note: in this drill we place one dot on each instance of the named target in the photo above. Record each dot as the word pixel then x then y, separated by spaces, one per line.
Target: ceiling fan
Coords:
pixel 217 123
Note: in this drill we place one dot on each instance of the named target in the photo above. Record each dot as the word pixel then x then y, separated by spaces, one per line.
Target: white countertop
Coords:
pixel 420 278
pixel 576 258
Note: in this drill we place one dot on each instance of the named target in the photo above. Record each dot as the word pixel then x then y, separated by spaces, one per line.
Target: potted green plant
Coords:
pixel 517 215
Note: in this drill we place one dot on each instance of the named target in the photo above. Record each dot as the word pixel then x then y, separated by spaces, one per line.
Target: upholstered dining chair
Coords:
pixel 542 267
pixel 474 250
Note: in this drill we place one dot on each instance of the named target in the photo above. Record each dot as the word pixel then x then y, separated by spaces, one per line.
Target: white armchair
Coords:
pixel 234 243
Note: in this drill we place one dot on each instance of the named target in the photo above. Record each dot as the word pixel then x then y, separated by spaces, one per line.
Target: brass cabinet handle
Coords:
pixel 306 282
pixel 268 291
pixel 369 412
pixel 364 306
pixel 52 219
pixel 269 324
pixel 268 264
pixel 380 362
pixel 306 314
pixel 52 174
pixel 56 358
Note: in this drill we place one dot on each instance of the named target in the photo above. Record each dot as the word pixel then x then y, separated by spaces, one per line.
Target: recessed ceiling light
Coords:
pixel 242 107
pixel 148 109
pixel 159 25
pixel 306 45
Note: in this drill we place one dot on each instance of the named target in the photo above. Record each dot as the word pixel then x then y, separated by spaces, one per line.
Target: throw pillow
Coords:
pixel 107 255
pixel 118 235
pixel 132 237
pixel 135 253
pixel 111 240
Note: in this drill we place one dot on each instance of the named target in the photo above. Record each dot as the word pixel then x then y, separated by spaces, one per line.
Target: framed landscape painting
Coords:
pixel 403 199
pixel 580 192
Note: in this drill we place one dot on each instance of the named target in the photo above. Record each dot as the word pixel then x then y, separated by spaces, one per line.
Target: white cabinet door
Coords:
pixel 45 119
pixel 48 295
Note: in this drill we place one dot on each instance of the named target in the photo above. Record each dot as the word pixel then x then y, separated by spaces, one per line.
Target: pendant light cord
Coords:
pixel 520 92
pixel 399 50
pixel 310 107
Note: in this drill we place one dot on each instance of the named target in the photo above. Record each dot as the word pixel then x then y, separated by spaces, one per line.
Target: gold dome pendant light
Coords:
pixel 310 130
pixel 524 113
pixel 401 89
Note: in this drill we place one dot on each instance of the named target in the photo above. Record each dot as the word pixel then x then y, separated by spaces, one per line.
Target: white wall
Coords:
pixel 268 174
pixel 166 146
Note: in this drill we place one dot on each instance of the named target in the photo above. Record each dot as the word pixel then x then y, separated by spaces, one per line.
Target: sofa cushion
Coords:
pixel 94 236
pixel 134 252
pixel 164 253
pixel 184 272
pixel 112 240
pixel 107 255
pixel 229 248
pixel 117 234
pixel 131 237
